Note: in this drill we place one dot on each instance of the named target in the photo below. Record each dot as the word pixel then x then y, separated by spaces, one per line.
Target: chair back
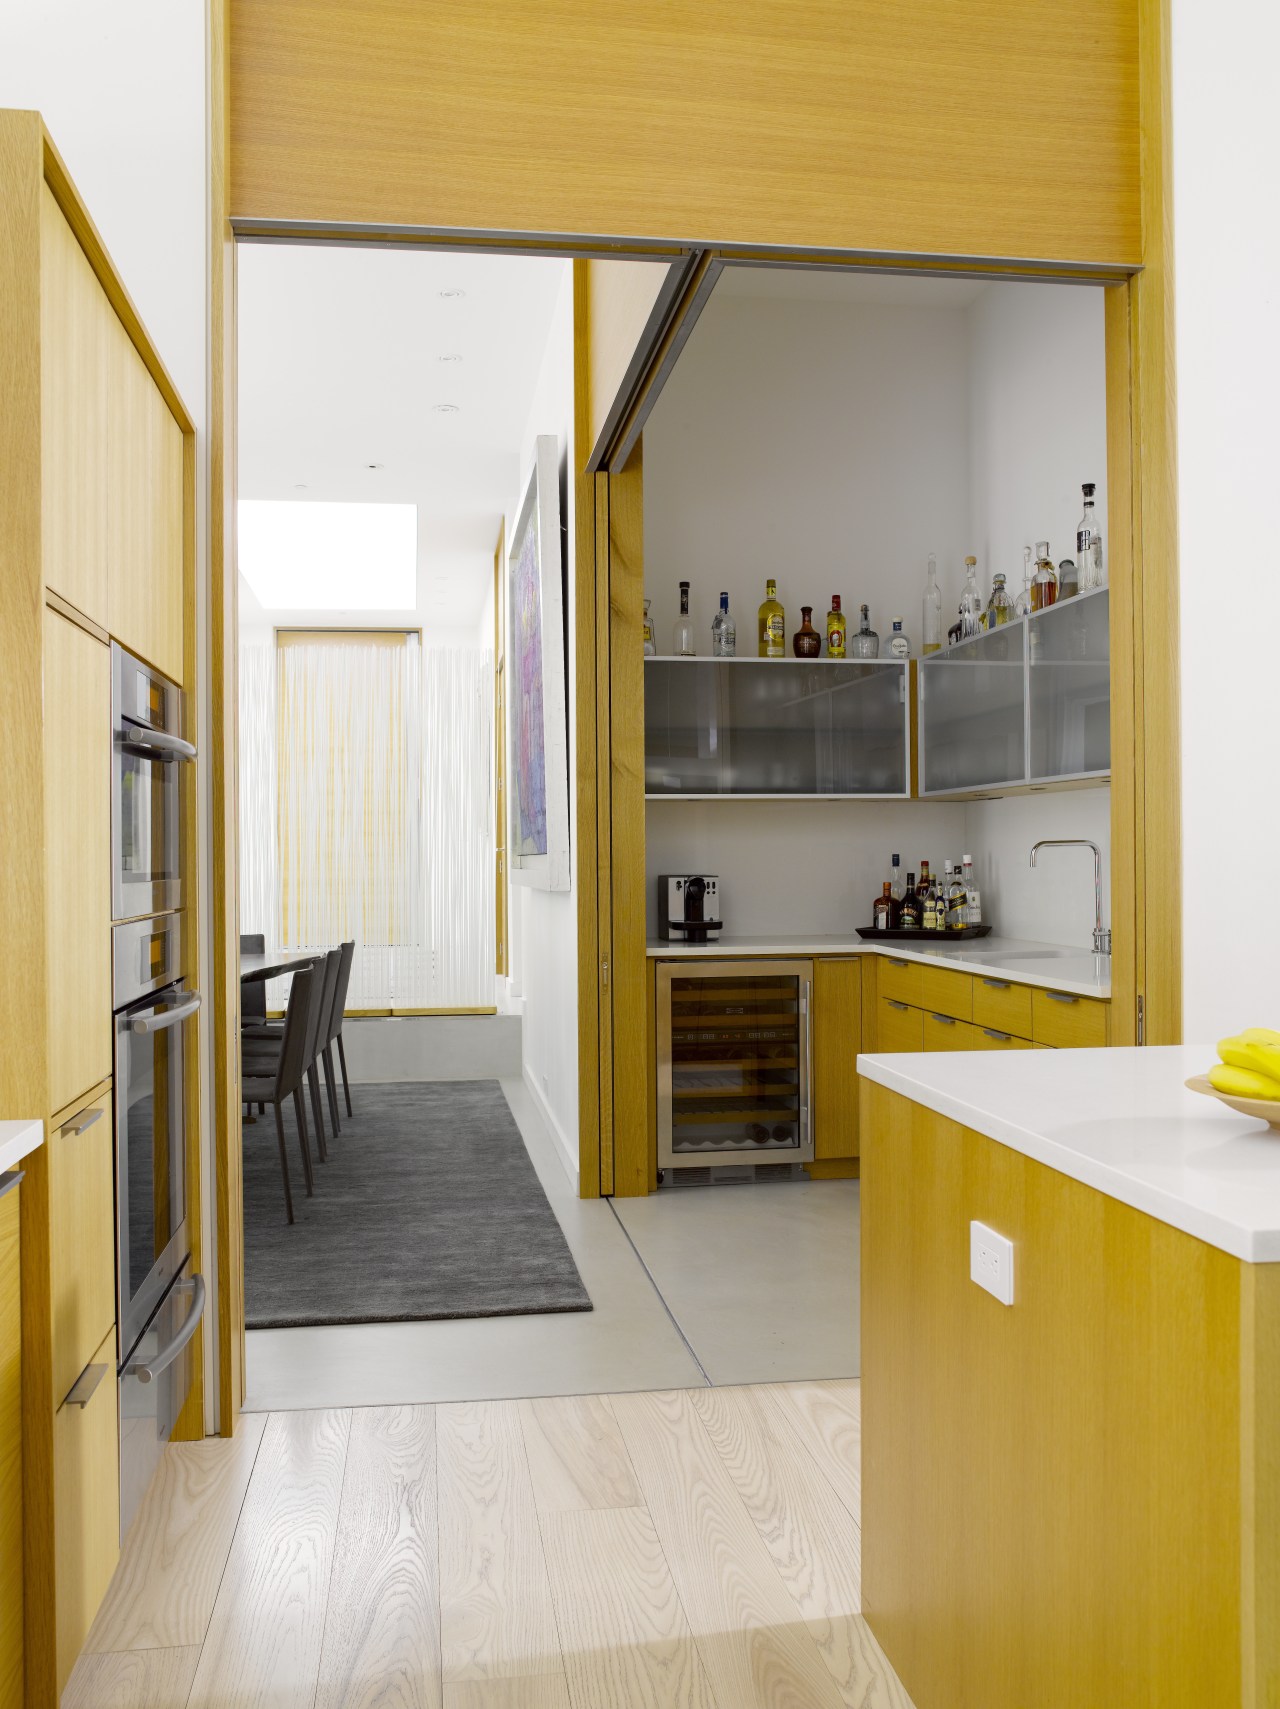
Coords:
pixel 347 951
pixel 297 1026
pixel 317 1012
pixel 332 962
pixel 253 996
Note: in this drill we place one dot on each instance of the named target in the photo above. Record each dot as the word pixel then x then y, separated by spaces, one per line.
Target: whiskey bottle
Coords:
pixel 931 627
pixel 806 643
pixel 724 631
pixel 866 643
pixel 682 642
pixel 956 900
pixel 772 624
pixel 835 629
pixel 1044 583
pixel 909 919
pixel 882 913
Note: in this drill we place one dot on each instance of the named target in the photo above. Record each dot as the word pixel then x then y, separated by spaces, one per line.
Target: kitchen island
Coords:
pixel 1072 1500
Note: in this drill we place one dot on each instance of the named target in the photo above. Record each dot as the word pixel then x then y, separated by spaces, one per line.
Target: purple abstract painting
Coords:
pixel 530 751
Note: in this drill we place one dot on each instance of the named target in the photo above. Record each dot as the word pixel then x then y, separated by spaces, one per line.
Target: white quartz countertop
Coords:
pixel 1022 963
pixel 18 1140
pixel 1120 1120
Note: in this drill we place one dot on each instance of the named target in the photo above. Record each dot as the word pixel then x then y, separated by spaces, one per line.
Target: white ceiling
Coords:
pixel 342 364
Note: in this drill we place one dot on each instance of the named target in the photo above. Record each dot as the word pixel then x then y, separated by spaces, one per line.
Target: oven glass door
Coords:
pixel 147 811
pixel 150 1153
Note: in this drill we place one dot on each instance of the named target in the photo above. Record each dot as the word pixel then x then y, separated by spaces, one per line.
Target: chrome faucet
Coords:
pixel 1101 936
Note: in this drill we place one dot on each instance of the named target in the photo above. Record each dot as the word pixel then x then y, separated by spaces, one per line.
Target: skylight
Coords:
pixel 302 555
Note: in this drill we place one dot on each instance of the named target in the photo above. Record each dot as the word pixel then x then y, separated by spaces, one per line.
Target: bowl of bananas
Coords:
pixel 1247 1076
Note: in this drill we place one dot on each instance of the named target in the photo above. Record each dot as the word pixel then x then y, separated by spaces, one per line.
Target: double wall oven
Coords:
pixel 159 1301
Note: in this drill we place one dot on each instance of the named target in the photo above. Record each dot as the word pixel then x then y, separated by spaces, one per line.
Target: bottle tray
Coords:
pixel 919 936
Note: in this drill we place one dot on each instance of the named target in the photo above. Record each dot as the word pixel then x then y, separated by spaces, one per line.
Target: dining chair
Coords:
pixel 262 1084
pixel 262 1050
pixel 337 1016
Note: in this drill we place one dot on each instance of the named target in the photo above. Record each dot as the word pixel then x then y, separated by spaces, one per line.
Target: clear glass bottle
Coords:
pixel 724 632
pixel 806 643
pixel 973 898
pixel 1089 545
pixel 866 643
pixel 970 602
pixel 931 612
pixel 898 645
pixel 1068 580
pixel 999 606
pixel 835 629
pixel 650 645
pixel 895 878
pixel 1022 605
pixel 682 641
pixel 1044 583
pixel 772 624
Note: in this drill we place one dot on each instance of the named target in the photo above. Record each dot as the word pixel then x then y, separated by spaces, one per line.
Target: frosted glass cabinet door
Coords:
pixel 1071 687
pixel 973 713
pixel 775 727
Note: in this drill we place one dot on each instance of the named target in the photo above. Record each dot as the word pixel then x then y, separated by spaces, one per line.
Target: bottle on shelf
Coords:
pixel 971 607
pixel 899 645
pixel 999 606
pixel 724 631
pixel 1022 605
pixel 922 888
pixel 772 624
pixel 957 897
pixel 650 645
pixel 1044 583
pixel 929 910
pixel 909 918
pixel 1089 544
pixel 973 897
pixel 931 614
pixel 895 878
pixel 682 641
pixel 866 643
pixel 1068 580
pixel 835 629
pixel 882 912
pixel 806 643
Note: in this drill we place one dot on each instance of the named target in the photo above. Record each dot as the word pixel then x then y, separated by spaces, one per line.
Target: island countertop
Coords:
pixel 18 1139
pixel 1119 1120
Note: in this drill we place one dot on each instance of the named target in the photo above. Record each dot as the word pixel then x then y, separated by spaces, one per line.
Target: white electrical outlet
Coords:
pixel 991 1261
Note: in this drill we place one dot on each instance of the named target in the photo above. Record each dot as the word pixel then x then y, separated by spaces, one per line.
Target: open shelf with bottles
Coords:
pixel 745 728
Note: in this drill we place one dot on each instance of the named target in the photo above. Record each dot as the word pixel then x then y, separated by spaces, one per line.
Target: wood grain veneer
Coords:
pixel 86 1535
pixel 11 1575
pixel 82 1240
pixel 837 1039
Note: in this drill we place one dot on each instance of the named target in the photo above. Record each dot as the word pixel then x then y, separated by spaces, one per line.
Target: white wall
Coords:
pixel 1226 162
pixel 1054 902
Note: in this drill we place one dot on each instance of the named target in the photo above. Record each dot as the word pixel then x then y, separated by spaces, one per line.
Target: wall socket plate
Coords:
pixel 991 1261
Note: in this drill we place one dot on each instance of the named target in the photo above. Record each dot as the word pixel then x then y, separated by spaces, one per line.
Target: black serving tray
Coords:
pixel 920 936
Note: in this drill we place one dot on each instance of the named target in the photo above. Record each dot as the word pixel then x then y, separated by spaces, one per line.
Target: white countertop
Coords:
pixel 1120 1120
pixel 18 1140
pixel 1020 962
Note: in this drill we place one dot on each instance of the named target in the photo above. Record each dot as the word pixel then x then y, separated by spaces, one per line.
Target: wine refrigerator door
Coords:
pixel 734 1062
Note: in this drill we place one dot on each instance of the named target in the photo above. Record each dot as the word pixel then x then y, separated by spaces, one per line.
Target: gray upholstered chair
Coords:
pixel 271 1083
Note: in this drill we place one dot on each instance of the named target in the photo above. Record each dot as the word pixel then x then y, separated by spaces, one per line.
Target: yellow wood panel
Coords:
pixel 998 1003
pixel 622 296
pixel 86 1476
pixel 946 992
pixel 74 328
pixel 899 979
pixel 82 1242
pixel 1063 1020
pixel 837 1039
pixel 1260 1480
pixel 898 1027
pixel 943 1033
pixel 1072 1461
pixel 1128 743
pixel 77 750
pixel 808 122
pixel 11 1574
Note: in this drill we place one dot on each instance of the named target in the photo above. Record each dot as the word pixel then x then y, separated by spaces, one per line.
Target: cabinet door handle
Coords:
pixel 85 1386
pixel 10 1180
pixel 997 984
pixel 79 1123
pixel 992 1033
pixel 1061 997
pixel 945 1020
pixel 901 1007
pixel 894 961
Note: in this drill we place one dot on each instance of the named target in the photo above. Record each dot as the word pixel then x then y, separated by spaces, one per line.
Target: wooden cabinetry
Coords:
pixel 82 1243
pixel 77 748
pixel 837 1039
pixel 11 1574
pixel 899 1026
pixel 920 1007
pixel 1065 1020
pixel 86 1487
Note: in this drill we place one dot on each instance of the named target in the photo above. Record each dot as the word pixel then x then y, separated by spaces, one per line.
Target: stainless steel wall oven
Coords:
pixel 147 753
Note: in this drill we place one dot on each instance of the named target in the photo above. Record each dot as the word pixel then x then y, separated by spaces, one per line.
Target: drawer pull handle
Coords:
pixel 992 1033
pixel 85 1386
pixel 895 962
pixel 997 984
pixel 1061 997
pixel 901 1007
pixel 945 1020
pixel 79 1123
pixel 10 1180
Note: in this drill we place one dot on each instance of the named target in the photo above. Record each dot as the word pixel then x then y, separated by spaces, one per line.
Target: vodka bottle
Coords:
pixel 973 898
pixel 1089 545
pixel 724 631
pixel 682 642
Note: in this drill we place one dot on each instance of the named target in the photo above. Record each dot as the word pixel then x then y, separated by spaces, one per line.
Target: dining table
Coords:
pixel 269 964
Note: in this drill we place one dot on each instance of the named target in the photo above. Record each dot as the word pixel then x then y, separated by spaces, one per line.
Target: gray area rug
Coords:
pixel 428 1207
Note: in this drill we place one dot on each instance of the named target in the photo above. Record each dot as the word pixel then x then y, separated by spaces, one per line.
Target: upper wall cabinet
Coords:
pixel 144 511
pixel 75 329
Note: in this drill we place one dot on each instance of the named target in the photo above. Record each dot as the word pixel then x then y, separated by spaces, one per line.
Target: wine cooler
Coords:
pixel 735 1067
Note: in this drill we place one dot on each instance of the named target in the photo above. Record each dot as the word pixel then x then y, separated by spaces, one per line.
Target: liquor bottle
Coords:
pixel 835 629
pixel 999 606
pixel 929 911
pixel 970 602
pixel 772 624
pixel 909 919
pixel 724 631
pixel 866 643
pixel 682 642
pixel 931 626
pixel 1068 580
pixel 806 643
pixel 1089 545
pixel 973 898
pixel 882 912
pixel 895 879
pixel 1044 583
pixel 957 899
pixel 1022 605
pixel 650 645
pixel 899 645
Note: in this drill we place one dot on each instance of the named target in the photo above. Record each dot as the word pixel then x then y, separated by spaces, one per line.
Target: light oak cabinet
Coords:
pixel 11 1574
pixel 82 1239
pixel 77 746
pixel 837 1039
pixel 86 1490
pixel 920 1007
pixel 899 1026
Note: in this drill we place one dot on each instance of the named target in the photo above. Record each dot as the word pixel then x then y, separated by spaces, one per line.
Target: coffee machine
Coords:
pixel 689 907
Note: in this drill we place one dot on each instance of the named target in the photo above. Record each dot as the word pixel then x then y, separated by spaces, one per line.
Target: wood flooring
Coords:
pixel 689 1549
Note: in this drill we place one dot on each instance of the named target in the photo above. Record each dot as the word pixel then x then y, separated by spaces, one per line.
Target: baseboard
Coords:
pixel 568 1152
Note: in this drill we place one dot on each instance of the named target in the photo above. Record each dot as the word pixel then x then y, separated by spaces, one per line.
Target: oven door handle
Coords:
pixel 147 1370
pixel 155 744
pixel 159 1019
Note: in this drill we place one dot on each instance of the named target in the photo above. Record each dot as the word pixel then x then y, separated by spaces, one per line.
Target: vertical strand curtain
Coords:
pixel 370 814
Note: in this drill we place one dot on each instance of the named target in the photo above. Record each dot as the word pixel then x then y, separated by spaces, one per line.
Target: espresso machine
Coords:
pixel 689 908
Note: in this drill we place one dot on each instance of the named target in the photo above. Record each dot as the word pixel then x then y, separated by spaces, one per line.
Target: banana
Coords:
pixel 1243 1083
pixel 1259 1035
pixel 1236 1052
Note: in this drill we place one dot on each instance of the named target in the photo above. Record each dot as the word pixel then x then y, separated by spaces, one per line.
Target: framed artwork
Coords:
pixel 538 785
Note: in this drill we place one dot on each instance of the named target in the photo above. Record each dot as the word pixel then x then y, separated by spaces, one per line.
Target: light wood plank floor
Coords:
pixel 689 1549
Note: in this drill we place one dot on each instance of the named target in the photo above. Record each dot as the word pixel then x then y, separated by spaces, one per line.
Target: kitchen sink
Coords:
pixel 1030 958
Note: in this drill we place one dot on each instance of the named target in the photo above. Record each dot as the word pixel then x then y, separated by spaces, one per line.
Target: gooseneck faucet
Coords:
pixel 1101 936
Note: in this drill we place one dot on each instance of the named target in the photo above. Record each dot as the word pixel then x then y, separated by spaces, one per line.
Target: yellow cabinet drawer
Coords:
pixel 1062 1019
pixel 899 979
pixel 942 1032
pixel 946 992
pixel 991 1038
pixel 86 1494
pixel 999 1004
pixel 898 1026
pixel 81 1240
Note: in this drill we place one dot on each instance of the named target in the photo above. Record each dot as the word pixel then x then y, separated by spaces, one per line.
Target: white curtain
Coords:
pixel 457 824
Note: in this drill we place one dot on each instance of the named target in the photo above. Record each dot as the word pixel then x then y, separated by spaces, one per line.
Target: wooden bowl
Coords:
pixel 1265 1109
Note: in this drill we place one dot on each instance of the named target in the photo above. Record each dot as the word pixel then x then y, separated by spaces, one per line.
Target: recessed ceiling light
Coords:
pixel 445 409
pixel 454 357
pixel 454 292
pixel 375 465
pixel 300 487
